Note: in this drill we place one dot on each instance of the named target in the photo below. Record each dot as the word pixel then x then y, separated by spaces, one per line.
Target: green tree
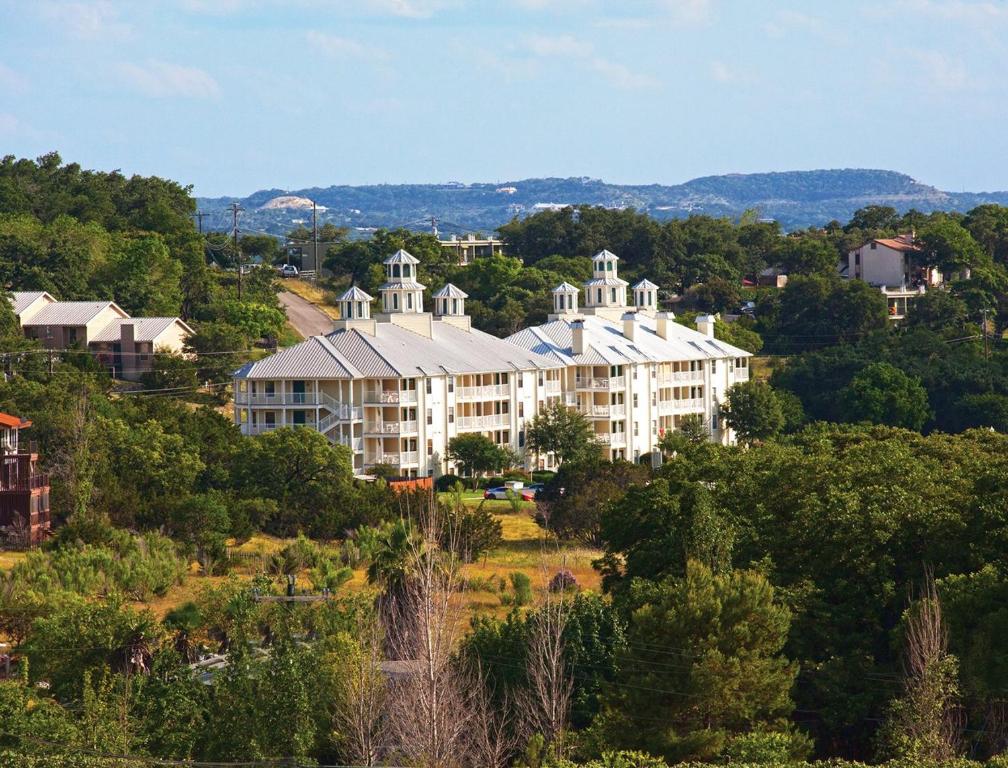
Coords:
pixel 729 675
pixel 804 255
pixel 883 394
pixel 948 245
pixel 476 454
pixel 564 432
pixel 753 410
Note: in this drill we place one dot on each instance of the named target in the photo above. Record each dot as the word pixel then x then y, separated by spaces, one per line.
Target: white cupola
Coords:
pixel 565 299
pixel 354 304
pixel 605 289
pixel 401 293
pixel 450 301
pixel 646 295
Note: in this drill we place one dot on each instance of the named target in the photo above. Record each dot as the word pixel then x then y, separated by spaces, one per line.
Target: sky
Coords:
pixel 232 96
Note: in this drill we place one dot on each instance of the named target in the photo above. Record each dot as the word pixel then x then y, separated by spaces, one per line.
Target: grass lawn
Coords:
pixel 9 559
pixel 311 293
pixel 524 548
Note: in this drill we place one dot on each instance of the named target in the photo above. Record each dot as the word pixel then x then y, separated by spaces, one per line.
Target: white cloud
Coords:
pixel 973 12
pixel 568 47
pixel 11 80
pixel 411 9
pixel 161 79
pixel 722 72
pixel 559 45
pixel 940 72
pixel 88 20
pixel 687 11
pixel 342 47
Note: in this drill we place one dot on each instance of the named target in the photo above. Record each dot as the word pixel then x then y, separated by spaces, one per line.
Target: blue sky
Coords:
pixel 237 95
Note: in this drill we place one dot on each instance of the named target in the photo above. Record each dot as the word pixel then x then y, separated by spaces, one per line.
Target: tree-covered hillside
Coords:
pixel 795 199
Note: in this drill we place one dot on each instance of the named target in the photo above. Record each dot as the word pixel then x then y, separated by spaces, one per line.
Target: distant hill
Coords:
pixel 796 199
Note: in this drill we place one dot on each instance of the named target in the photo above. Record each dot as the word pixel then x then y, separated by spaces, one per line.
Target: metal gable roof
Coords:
pixel 565 287
pixel 310 359
pixel 21 300
pixel 450 291
pixel 145 328
pixel 72 312
pixel 353 293
pixel 402 256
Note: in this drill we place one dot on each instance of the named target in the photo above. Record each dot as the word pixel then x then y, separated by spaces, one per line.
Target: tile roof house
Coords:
pixel 123 343
pixel 894 265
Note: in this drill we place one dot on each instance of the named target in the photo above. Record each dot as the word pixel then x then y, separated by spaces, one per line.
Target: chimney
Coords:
pixel 705 324
pixel 629 325
pixel 577 337
pixel 662 320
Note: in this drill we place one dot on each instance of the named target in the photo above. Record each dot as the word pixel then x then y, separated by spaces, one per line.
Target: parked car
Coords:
pixel 500 493
pixel 288 270
pixel 529 492
pixel 748 308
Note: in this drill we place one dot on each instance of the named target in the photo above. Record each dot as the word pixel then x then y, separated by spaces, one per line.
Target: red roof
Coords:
pixel 6 420
pixel 897 244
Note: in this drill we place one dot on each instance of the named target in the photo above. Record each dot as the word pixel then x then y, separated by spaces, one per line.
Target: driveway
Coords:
pixel 306 318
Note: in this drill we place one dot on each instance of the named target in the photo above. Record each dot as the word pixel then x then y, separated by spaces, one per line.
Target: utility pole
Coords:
pixel 983 327
pixel 234 219
pixel 314 226
pixel 433 225
pixel 199 218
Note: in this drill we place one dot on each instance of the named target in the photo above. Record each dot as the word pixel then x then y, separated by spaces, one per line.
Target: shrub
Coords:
pixel 471 532
pixel 521 589
pixel 562 580
pixel 491 482
pixel 446 482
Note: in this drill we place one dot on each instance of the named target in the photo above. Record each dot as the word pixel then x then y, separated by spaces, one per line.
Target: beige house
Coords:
pixel 125 344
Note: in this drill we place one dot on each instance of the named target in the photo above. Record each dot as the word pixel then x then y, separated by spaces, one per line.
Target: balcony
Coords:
pixel 614 439
pixel 382 427
pixel 680 377
pixel 690 405
pixel 408 427
pixel 355 444
pixel 598 384
pixel 490 421
pixel 276 398
pixel 486 392
pixel 604 411
pixel 395 459
pixel 258 429
pixel 389 396
pixel 552 387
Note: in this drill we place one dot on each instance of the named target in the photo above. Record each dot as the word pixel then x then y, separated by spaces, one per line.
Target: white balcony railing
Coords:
pixel 389 396
pixel 382 428
pixel 408 427
pixel 485 392
pixel 404 458
pixel 552 387
pixel 689 405
pixel 409 457
pixel 616 439
pixel 605 411
pixel 677 377
pixel 596 384
pixel 490 421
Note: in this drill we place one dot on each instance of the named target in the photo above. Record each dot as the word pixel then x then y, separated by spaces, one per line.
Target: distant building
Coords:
pixel 894 265
pixel 469 248
pixel 24 491
pixel 772 277
pixel 124 344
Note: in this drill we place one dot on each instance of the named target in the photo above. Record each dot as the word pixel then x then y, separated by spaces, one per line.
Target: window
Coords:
pixel 713 366
pixel 540 378
pixel 430 447
pixel 521 409
pixel 455 306
pixel 269 388
pixel 451 415
pixel 714 422
pixel 635 400
pixel 451 383
pixel 521 380
pixel 430 416
pixel 428 386
pixel 636 431
pixel 599 295
pixel 521 439
pixel 409 301
pixel 612 293
pixel 299 417
pixel 872 246
pixel 395 301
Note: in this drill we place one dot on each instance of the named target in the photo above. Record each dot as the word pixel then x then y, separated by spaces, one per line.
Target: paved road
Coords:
pixel 306 318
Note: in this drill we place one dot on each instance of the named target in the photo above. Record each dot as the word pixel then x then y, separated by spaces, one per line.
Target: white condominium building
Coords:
pixel 397 387
pixel 635 372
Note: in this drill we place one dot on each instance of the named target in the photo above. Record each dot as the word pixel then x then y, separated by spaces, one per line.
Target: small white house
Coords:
pixel 894 265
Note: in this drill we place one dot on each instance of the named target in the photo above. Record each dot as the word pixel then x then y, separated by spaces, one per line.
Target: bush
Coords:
pixel 543 477
pixel 446 483
pixel 521 590
pixel 562 580
pixel 471 532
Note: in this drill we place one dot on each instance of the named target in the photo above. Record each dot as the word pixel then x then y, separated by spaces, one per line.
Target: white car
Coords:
pixel 288 270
